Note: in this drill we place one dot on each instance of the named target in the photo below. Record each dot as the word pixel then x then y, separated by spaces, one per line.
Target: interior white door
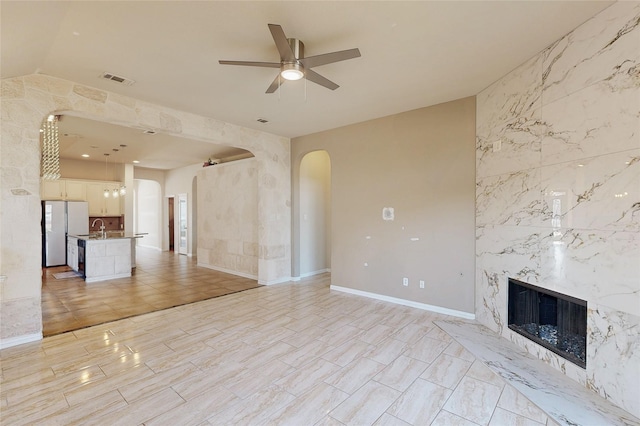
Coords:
pixel 182 224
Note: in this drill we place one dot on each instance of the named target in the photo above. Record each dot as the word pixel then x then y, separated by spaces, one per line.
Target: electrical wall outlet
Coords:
pixel 421 283
pixel 405 282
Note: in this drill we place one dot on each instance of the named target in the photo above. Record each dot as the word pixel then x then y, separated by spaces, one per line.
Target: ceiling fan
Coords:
pixel 293 65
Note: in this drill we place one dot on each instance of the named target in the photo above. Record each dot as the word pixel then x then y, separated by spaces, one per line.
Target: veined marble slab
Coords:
pixel 561 398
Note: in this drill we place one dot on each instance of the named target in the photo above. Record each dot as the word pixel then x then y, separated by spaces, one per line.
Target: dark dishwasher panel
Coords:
pixel 82 244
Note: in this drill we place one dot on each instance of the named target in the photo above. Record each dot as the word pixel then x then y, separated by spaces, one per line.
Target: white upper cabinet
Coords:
pixel 81 190
pixel 99 205
pixel 75 190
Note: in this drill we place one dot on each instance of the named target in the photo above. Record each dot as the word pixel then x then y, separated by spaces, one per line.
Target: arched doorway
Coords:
pixel 27 99
pixel 315 214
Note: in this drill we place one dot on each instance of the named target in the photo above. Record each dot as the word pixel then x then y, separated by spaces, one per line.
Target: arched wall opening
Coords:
pixel 313 232
pixel 28 99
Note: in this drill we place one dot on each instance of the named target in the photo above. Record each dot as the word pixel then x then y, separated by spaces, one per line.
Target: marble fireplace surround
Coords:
pixel 557 193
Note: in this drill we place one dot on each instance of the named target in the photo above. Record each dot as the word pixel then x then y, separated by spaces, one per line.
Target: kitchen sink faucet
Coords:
pixel 102 231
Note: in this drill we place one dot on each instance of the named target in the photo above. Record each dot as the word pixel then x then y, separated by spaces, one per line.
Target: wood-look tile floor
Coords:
pixel 289 354
pixel 160 280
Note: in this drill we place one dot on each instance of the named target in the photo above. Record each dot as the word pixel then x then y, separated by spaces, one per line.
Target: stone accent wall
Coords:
pixel 558 193
pixel 228 217
pixel 27 100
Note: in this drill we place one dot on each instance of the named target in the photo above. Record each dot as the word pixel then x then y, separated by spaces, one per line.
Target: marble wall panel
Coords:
pixel 606 48
pixel 590 122
pixel 517 95
pixel 511 199
pixel 503 252
pixel 595 193
pixel 520 143
pixel 559 205
pixel 613 355
pixel 593 265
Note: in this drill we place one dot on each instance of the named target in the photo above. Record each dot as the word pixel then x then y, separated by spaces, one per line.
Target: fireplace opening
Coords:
pixel 556 321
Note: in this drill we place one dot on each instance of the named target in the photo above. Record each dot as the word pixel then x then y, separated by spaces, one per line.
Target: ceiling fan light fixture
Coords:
pixel 292 72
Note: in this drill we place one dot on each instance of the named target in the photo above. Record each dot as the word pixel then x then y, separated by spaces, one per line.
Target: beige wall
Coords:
pixel 228 217
pixel 421 163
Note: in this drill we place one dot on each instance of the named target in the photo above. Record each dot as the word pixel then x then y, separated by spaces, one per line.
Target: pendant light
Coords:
pixel 115 192
pixel 123 188
pixel 106 190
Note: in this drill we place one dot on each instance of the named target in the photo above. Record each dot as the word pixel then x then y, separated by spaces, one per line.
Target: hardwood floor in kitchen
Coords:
pixel 161 280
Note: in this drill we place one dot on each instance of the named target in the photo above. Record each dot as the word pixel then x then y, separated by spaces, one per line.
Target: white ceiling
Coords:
pixel 414 54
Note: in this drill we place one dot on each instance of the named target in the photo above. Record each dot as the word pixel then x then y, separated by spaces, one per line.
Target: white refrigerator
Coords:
pixel 60 218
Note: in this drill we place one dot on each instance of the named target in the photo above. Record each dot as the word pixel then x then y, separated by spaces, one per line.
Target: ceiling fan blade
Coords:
pixel 275 84
pixel 286 54
pixel 329 58
pixel 251 64
pixel 318 79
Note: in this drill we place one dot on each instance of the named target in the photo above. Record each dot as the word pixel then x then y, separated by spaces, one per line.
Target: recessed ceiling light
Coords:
pixel 75 33
pixel 135 161
pixel 85 155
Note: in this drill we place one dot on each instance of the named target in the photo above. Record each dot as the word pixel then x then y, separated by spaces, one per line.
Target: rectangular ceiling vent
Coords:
pixel 117 79
pixel 262 120
pixel 149 132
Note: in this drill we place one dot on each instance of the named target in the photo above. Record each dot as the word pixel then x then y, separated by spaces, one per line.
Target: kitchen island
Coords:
pixel 104 256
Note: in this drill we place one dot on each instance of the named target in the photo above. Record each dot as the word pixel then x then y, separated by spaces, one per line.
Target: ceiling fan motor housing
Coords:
pixel 297 47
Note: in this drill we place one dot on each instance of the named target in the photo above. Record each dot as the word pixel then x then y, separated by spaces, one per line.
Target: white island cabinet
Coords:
pixel 106 258
pixel 72 253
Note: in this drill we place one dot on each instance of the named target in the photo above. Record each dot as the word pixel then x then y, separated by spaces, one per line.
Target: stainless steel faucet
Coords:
pixel 102 231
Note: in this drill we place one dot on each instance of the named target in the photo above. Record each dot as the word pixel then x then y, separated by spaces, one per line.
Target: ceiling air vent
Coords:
pixel 117 79
pixel 149 132
pixel 262 120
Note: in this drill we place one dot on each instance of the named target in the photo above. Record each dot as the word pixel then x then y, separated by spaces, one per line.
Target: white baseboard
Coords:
pixel 310 274
pixel 276 281
pixel 106 277
pixel 20 340
pixel 228 271
pixel 318 272
pixel 404 302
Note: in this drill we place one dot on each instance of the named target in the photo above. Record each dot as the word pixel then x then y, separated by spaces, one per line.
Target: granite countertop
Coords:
pixel 109 235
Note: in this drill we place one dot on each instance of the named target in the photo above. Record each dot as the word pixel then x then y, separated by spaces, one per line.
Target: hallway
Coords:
pixel 161 280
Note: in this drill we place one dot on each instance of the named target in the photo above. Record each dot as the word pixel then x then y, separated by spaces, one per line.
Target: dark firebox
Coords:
pixel 556 321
